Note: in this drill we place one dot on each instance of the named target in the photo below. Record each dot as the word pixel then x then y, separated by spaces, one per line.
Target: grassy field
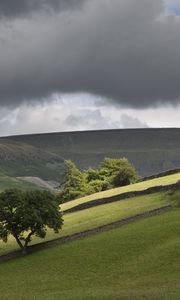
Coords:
pixel 166 180
pixel 138 261
pixel 100 215
pixel 103 214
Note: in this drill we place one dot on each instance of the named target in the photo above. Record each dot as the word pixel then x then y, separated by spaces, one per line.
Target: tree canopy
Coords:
pixel 119 172
pixel 112 173
pixel 75 182
pixel 24 214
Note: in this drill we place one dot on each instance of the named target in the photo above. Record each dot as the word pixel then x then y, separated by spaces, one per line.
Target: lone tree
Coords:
pixel 24 214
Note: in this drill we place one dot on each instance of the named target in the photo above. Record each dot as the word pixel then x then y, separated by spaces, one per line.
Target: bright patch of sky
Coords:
pixel 82 112
pixel 173 7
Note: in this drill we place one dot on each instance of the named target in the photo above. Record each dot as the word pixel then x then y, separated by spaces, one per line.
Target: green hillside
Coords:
pixel 91 218
pixel 150 150
pixel 8 181
pixel 18 159
pixel 138 261
pixel 107 213
pixel 42 155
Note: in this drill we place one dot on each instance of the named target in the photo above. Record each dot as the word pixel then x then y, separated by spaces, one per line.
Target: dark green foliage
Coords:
pixel 98 185
pixel 92 174
pixel 97 181
pixel 112 173
pixel 75 183
pixel 119 172
pixel 24 214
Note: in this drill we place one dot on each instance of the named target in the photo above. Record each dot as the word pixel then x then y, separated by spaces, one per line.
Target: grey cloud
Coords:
pixel 86 119
pixel 22 8
pixel 123 50
pixel 131 122
pixel 54 116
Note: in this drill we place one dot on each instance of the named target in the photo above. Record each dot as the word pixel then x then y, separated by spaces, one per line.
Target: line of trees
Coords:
pixel 112 173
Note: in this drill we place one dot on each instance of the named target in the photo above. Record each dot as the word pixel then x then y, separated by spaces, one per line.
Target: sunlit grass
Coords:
pixel 97 216
pixel 166 180
pixel 137 261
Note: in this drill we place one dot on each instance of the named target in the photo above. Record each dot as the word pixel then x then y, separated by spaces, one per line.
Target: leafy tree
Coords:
pixel 73 175
pixel 96 180
pixel 75 184
pixel 118 172
pixel 24 214
pixel 92 174
pixel 98 185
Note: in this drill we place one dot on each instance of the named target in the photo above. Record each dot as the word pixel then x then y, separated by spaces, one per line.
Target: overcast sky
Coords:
pixel 89 64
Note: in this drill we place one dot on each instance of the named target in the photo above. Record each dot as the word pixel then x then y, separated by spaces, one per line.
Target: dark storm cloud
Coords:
pixel 21 8
pixel 124 50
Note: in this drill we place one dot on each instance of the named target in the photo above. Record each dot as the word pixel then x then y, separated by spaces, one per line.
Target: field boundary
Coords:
pixel 86 233
pixel 123 196
pixel 161 174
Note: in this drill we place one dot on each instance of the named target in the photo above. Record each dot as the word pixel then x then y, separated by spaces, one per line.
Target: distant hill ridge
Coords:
pixel 151 150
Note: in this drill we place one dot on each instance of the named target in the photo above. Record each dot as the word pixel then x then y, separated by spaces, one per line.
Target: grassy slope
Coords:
pixel 96 216
pixel 134 187
pixel 103 214
pixel 151 150
pixel 20 159
pixel 138 261
pixel 11 182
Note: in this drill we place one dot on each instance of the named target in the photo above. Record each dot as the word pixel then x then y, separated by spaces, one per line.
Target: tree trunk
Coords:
pixel 24 250
pixel 19 242
pixel 27 240
pixel 23 247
